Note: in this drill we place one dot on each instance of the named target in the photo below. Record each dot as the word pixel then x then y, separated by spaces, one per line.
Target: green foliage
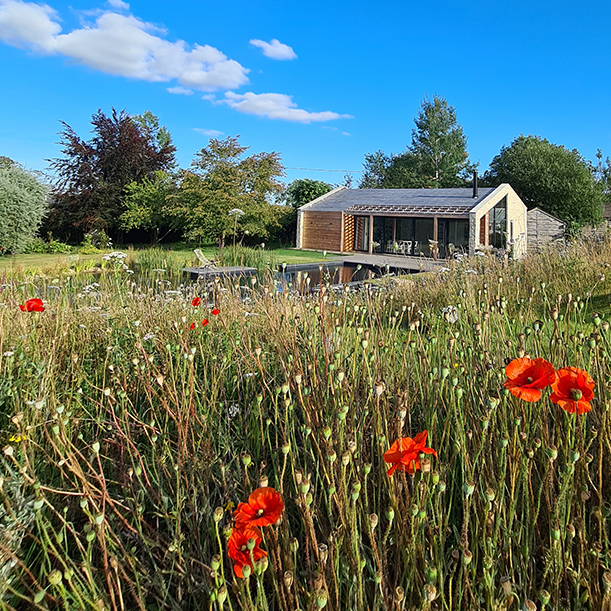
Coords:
pixel 221 180
pixel 304 190
pixel 146 204
pixel 556 179
pixel 22 207
pixel 437 156
pixel 258 258
pixel 51 246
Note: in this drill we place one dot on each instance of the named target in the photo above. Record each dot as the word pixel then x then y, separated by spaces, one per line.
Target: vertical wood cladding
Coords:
pixel 322 230
pixel 484 226
pixel 348 233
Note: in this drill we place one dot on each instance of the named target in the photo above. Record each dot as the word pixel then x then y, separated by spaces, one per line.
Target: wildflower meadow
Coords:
pixel 439 442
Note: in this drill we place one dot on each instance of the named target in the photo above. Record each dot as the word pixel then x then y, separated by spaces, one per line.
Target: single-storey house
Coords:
pixel 431 222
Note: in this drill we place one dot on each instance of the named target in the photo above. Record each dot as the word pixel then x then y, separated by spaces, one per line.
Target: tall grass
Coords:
pixel 129 437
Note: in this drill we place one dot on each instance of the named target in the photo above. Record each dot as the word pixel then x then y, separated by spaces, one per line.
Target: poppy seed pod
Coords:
pixel 529 605
pixel 373 521
pixel 506 585
pixel 323 553
pixel 321 599
pixel 430 592
pixel 288 579
pixel 218 514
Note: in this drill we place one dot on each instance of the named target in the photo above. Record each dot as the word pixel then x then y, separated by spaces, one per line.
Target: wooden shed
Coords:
pixel 543 228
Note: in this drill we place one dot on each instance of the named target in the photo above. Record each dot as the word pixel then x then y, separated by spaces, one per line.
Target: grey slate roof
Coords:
pixel 397 201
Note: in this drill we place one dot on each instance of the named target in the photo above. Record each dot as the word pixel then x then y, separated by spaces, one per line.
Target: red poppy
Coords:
pixel 237 548
pixel 196 301
pixel 192 326
pixel 33 305
pixel 263 508
pixel 573 390
pixel 526 378
pixel 215 312
pixel 205 322
pixel 404 454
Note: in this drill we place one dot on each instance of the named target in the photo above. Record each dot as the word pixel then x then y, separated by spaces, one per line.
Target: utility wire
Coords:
pixel 319 170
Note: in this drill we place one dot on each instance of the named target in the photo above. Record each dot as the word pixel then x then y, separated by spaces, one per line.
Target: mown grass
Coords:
pixel 128 437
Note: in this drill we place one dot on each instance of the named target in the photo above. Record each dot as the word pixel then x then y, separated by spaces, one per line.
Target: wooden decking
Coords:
pixel 202 273
pixel 399 262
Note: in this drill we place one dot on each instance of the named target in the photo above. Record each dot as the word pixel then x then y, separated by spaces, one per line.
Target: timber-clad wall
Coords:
pixel 322 230
pixel 542 229
pixel 348 233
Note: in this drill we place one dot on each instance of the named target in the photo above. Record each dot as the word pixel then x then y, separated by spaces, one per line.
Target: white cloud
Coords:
pixel 275 49
pixel 120 45
pixel 26 25
pixel 346 134
pixel 119 4
pixel 179 91
pixel 276 106
pixel 208 132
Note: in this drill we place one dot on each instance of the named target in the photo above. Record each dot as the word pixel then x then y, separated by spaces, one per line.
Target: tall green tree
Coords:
pixel 92 175
pixel 22 206
pixel 304 190
pixel 221 180
pixel 552 177
pixel 147 204
pixel 436 157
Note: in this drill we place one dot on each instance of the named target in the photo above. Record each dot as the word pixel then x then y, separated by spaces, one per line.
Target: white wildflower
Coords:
pixel 450 314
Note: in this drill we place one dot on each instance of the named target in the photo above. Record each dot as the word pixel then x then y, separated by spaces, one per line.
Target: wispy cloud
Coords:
pixel 274 49
pixel 119 4
pixel 208 132
pixel 180 91
pixel 122 45
pixel 276 106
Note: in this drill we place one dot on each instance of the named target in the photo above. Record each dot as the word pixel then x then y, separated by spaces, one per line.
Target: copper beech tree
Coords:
pixel 92 175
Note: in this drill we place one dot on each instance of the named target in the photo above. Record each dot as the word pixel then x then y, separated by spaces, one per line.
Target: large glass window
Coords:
pixel 423 232
pixel 453 236
pixel 497 227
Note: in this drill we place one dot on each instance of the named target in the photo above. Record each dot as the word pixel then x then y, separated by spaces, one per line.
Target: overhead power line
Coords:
pixel 320 170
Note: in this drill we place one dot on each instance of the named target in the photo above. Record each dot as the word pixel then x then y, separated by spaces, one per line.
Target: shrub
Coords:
pixel 22 206
pixel 50 247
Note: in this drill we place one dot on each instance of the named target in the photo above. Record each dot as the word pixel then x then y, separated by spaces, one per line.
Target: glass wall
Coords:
pixel 497 228
pixel 453 236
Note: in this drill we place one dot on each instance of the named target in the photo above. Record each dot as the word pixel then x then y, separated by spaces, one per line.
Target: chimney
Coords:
pixel 474 183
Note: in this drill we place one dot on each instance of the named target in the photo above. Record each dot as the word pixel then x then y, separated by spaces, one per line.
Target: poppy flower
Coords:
pixel 215 312
pixel 237 548
pixel 205 322
pixel 192 326
pixel 33 305
pixel 263 508
pixel 526 378
pixel 573 390
pixel 196 301
pixel 404 454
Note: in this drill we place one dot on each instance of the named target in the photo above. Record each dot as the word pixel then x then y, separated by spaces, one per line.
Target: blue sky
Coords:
pixel 341 80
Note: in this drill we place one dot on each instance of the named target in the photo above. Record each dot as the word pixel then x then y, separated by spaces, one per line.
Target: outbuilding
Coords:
pixel 543 228
pixel 428 222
